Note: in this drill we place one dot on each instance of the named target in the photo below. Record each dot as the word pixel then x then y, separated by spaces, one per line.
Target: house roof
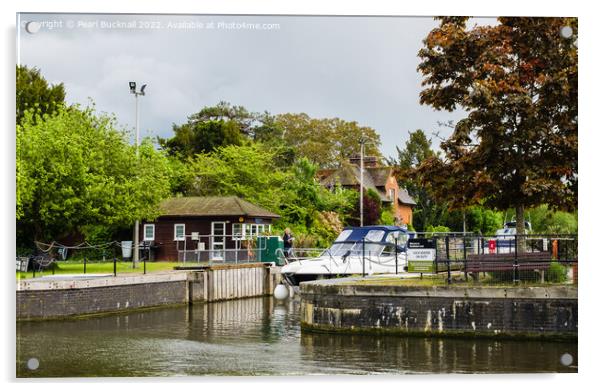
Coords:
pixel 212 206
pixel 404 197
pixel 380 175
pixel 375 178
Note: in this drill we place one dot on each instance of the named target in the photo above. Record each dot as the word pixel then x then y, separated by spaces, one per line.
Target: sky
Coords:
pixel 359 69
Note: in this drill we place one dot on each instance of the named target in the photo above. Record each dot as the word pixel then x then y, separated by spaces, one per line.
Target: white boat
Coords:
pixel 378 249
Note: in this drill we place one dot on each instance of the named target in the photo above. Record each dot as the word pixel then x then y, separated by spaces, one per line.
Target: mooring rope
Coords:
pixel 82 246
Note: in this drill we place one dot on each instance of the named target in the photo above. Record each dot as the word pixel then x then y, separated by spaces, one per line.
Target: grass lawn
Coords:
pixel 100 268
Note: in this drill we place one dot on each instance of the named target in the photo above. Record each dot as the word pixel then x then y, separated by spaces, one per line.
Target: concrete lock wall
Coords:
pixel 549 312
pixel 47 298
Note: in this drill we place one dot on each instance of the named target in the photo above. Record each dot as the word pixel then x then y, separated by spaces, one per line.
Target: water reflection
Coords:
pixel 255 337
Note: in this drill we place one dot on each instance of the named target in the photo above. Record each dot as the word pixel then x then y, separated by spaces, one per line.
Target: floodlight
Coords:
pixel 142 89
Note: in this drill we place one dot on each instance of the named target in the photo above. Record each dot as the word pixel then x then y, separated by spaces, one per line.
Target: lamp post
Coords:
pixel 362 142
pixel 136 255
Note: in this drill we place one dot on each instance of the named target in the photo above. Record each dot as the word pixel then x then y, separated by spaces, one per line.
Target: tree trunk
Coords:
pixel 520 228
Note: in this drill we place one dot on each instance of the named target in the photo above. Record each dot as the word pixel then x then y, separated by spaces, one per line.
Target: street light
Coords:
pixel 137 223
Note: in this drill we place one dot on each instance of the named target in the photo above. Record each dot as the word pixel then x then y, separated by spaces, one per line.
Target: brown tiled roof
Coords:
pixel 375 178
pixel 380 174
pixel 404 197
pixel 212 206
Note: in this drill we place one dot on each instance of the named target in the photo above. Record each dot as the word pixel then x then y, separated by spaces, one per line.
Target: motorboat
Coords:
pixel 377 249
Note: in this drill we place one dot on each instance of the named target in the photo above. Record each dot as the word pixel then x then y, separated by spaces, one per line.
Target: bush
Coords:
pixel 556 273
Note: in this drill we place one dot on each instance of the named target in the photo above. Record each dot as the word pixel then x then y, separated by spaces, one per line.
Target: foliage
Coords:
pixel 35 94
pixel 372 209
pixel 325 228
pixel 543 220
pixel 517 82
pixel 327 141
pixel 387 217
pixel 417 149
pixel 75 171
pixel 556 273
pixel 252 172
pixel 438 228
pixel 199 137
pixel 478 220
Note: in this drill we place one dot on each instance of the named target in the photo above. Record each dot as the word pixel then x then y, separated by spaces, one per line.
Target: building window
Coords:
pixel 392 194
pixel 238 231
pixel 149 232
pixel 178 231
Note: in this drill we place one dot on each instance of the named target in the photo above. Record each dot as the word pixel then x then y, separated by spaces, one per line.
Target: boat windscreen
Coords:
pixel 355 249
pixel 343 235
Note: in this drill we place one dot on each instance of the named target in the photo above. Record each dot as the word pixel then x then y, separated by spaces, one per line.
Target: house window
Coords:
pixel 392 194
pixel 253 230
pixel 149 232
pixel 178 231
pixel 238 231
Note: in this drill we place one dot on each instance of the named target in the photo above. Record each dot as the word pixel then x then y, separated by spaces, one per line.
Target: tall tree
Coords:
pixel 418 149
pixel 327 141
pixel 517 82
pixel 34 93
pixel 75 170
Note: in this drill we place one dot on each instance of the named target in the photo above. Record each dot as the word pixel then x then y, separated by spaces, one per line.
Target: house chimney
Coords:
pixel 369 161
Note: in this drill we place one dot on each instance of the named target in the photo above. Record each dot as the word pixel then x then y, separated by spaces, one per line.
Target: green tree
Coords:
pixel 327 141
pixel 76 171
pixel 517 83
pixel 34 93
pixel 428 210
pixel 201 136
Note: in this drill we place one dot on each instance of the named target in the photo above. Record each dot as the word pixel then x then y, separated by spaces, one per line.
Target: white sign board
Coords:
pixel 22 264
pixel 421 254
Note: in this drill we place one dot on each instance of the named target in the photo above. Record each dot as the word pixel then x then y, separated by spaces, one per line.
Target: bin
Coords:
pixel 267 247
pixel 126 249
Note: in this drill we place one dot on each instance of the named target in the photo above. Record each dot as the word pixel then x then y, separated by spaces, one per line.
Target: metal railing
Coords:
pixel 211 249
pixel 530 258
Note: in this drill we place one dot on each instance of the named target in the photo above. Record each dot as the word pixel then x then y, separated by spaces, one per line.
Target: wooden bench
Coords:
pixel 533 261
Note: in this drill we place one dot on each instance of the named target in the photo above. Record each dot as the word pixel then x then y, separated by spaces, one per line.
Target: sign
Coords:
pixel 421 255
pixel 22 264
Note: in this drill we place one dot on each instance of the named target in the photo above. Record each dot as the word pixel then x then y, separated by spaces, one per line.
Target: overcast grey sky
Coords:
pixel 356 68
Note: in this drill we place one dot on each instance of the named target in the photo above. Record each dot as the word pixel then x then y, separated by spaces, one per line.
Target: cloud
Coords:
pixel 356 68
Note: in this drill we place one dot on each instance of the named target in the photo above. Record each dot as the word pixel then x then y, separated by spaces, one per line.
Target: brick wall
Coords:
pixel 36 304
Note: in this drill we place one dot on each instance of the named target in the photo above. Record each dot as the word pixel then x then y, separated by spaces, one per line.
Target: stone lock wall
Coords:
pixel 446 311
pixel 47 298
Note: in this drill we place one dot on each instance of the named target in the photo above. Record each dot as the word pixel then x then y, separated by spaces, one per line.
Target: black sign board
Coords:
pixel 421 243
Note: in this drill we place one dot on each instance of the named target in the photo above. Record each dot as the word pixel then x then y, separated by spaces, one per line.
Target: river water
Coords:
pixel 257 337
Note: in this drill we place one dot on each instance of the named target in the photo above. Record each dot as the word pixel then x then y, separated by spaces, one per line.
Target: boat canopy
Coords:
pixel 371 233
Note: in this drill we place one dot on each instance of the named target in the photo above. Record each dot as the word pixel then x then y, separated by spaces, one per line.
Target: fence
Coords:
pixel 505 259
pixel 108 258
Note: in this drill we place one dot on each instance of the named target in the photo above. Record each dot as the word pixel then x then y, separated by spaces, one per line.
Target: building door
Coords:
pixel 218 240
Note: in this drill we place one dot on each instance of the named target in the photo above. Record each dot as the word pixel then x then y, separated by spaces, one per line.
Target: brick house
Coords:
pixel 204 228
pixel 380 179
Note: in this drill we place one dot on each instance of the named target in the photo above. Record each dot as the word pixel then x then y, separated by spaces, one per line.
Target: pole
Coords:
pixel 363 258
pixel 396 263
pixel 362 182
pixel 135 258
pixel 114 266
